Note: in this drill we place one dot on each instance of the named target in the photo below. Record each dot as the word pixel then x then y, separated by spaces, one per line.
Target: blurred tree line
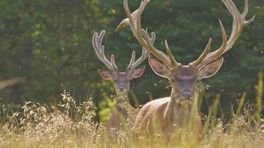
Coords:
pixel 49 43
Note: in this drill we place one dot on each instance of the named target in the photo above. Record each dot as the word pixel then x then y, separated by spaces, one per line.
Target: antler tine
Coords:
pixel 204 54
pixel 126 22
pixel 239 21
pixel 131 19
pixel 245 12
pixel 99 50
pixel 137 23
pixel 157 53
pixel 144 55
pixel 113 63
pixel 132 60
pixel 169 53
pixel 214 55
pixel 134 21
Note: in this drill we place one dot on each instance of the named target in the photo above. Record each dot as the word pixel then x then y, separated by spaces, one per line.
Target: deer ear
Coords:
pixel 210 69
pixel 105 74
pixel 159 68
pixel 138 72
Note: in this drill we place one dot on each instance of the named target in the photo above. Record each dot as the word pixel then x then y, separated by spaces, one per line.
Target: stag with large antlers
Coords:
pixel 120 79
pixel 181 106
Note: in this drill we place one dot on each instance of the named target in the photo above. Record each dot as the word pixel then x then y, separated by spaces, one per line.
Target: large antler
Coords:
pixel 239 22
pixel 145 54
pixel 134 22
pixel 99 50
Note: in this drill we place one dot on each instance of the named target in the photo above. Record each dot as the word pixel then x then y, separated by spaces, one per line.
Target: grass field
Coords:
pixel 69 124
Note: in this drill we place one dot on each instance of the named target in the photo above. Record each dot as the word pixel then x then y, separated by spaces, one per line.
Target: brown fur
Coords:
pixel 123 114
pixel 167 114
pixel 121 117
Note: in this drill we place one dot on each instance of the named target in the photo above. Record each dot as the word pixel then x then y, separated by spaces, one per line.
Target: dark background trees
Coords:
pixel 49 43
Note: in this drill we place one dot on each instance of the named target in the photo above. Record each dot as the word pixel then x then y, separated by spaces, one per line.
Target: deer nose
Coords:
pixel 187 94
pixel 121 89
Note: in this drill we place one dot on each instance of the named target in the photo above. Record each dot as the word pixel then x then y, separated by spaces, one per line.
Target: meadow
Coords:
pixel 71 124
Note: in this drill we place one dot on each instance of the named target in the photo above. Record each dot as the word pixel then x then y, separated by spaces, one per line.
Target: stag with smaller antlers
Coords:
pixel 121 79
pixel 181 107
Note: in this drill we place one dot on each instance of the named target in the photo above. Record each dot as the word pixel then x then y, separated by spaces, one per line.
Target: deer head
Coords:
pixel 120 79
pixel 183 78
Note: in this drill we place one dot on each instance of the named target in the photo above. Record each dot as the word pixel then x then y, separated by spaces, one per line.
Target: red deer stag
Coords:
pixel 181 106
pixel 121 79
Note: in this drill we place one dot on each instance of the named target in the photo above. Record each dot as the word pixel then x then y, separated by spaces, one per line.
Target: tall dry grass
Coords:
pixel 69 124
